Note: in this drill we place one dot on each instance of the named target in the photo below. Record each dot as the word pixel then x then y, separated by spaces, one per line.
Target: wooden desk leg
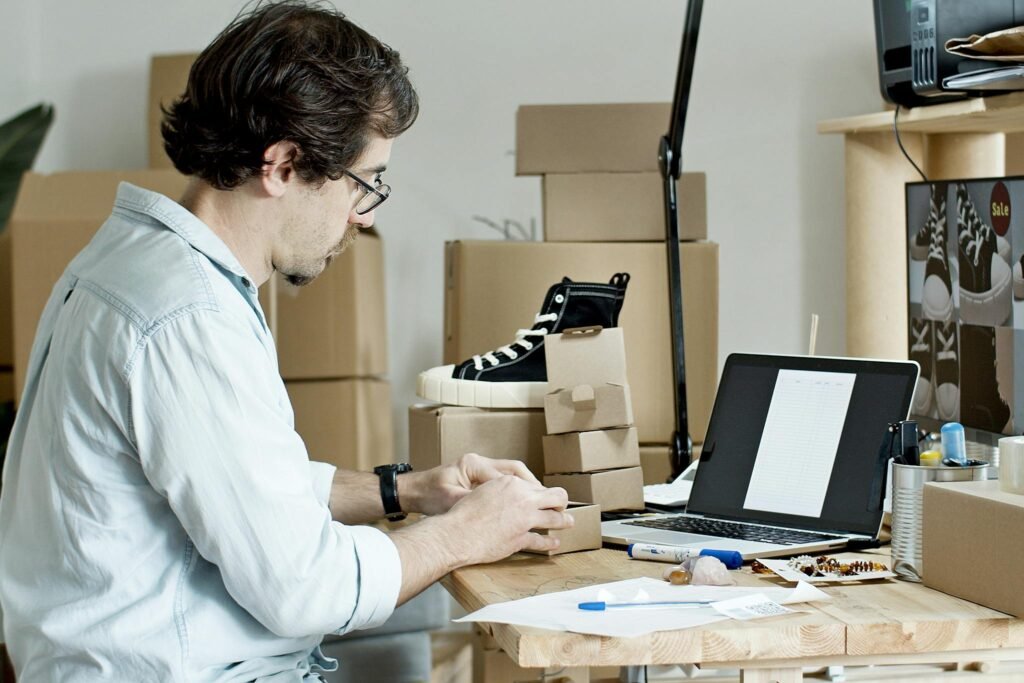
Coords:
pixel 795 675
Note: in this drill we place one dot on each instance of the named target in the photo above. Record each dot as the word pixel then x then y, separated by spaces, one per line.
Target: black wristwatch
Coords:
pixel 388 475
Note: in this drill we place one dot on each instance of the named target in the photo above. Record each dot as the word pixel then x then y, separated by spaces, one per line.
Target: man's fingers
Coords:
pixel 515 468
pixel 554 498
pixel 552 519
pixel 539 542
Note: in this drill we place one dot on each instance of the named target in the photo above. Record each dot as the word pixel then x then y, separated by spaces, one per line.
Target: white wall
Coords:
pixel 766 72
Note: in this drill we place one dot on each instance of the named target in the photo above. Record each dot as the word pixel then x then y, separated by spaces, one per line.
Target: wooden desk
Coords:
pixel 871 623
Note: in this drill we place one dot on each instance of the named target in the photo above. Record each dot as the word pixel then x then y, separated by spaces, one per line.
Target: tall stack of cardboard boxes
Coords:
pixel 591 449
pixel 603 214
pixel 331 336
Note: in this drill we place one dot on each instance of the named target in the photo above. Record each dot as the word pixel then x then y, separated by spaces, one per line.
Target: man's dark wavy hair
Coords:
pixel 287 71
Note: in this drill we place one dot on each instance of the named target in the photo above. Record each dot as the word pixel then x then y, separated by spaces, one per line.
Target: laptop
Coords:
pixel 792 462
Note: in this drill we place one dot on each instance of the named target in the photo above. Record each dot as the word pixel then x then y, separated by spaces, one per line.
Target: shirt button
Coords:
pixel 246 283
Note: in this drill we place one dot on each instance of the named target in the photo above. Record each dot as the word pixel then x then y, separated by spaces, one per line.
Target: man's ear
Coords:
pixel 279 167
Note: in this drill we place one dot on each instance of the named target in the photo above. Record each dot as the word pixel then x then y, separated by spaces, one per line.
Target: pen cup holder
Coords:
pixel 907 497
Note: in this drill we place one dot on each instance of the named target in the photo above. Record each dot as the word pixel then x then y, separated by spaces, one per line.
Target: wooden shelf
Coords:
pixel 993 114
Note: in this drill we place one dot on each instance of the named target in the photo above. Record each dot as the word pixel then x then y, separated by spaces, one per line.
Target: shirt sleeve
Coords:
pixel 321 478
pixel 214 438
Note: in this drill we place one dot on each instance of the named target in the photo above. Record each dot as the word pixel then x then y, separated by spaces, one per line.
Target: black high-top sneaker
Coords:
pixel 947 372
pixel 981 406
pixel 923 238
pixel 515 375
pixel 921 351
pixel 984 274
pixel 937 296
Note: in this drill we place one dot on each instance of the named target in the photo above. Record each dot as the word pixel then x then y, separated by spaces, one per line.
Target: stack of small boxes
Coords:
pixel 591 449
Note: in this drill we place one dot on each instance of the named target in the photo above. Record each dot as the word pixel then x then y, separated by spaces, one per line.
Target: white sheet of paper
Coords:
pixel 561 612
pixel 799 443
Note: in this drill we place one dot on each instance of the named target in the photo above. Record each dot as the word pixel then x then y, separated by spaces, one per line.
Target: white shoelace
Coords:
pixel 978 230
pixel 521 340
pixel 947 352
pixel 920 344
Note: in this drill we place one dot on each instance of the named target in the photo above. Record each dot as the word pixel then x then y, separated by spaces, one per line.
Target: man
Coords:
pixel 160 519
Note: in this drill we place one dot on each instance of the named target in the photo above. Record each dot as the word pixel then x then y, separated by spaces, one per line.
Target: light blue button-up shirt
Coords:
pixel 160 518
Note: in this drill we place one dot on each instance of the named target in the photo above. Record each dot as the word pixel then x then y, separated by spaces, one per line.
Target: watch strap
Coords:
pixel 388 478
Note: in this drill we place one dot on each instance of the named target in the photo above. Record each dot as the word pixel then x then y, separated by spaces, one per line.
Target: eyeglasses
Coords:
pixel 374 196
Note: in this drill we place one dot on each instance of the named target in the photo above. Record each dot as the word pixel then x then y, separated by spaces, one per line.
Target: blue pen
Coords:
pixel 601 606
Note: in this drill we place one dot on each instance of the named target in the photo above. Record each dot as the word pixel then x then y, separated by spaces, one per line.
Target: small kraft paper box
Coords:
pixel 621 489
pixel 585 533
pixel 972 543
pixel 439 435
pixel 591 451
pixel 587 376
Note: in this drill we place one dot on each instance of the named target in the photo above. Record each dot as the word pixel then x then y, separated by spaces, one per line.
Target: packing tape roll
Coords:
pixel 1011 464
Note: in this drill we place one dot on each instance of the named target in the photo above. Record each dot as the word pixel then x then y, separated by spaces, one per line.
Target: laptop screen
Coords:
pixel 795 440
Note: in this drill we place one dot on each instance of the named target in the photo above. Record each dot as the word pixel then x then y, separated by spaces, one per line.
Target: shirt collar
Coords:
pixel 183 222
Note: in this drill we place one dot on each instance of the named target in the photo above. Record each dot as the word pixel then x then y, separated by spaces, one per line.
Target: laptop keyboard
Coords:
pixel 737 530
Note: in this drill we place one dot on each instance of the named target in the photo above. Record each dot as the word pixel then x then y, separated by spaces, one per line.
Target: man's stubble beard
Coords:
pixel 347 240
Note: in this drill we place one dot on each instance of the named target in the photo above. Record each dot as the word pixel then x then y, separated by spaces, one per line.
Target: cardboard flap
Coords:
pixel 586 355
pixel 583 397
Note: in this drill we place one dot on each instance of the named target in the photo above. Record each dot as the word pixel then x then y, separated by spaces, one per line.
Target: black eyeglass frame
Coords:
pixel 381 193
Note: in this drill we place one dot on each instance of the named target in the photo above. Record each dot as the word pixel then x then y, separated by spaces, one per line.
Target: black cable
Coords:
pixel 896 129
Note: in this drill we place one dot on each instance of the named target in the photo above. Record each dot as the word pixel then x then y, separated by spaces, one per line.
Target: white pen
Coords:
pixel 668 553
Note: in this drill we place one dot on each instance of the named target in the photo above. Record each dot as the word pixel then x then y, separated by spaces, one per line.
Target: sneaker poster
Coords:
pixel 965 284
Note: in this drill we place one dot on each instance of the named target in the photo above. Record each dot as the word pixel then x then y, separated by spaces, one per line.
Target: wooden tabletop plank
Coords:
pixel 888 617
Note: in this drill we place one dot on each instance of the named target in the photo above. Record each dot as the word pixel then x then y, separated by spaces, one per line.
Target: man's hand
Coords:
pixel 436 490
pixel 494 520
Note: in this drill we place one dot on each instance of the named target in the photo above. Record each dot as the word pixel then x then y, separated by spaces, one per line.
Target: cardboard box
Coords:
pixel 585 356
pixel 6 386
pixel 586 408
pixel 345 422
pixel 588 138
pixel 620 207
pixel 483 310
pixel 591 451
pixel 972 545
pixel 656 462
pixel 54 217
pixel 585 534
pixel 168 75
pixel 611 489
pixel 6 312
pixel 439 435
pixel 336 326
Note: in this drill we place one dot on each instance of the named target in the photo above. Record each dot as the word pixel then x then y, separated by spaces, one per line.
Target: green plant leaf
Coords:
pixel 20 140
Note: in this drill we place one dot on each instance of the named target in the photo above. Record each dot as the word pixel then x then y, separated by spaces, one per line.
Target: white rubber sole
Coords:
pixel 991 308
pixel 947 400
pixel 438 385
pixel 922 404
pixel 936 302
